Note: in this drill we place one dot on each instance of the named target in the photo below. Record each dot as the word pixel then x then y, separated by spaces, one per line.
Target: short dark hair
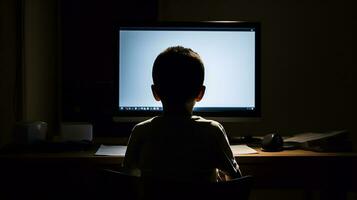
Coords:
pixel 178 74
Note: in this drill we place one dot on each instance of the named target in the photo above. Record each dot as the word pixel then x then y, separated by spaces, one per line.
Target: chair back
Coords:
pixel 134 188
pixel 238 188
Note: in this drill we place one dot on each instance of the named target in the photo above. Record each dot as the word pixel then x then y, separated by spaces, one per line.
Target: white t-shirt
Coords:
pixel 180 148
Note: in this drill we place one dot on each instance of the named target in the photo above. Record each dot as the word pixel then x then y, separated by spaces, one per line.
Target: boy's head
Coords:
pixel 178 75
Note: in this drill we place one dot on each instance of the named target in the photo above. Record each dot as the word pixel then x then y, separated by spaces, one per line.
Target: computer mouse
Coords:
pixel 272 142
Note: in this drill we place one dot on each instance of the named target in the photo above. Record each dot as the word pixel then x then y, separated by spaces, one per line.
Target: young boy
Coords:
pixel 176 145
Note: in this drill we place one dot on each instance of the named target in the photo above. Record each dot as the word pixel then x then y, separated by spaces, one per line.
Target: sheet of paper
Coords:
pixel 111 150
pixel 242 149
pixel 306 137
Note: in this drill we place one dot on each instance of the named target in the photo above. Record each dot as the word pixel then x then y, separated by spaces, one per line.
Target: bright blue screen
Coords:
pixel 228 57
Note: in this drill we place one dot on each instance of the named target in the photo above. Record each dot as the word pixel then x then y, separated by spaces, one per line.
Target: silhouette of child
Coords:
pixel 177 145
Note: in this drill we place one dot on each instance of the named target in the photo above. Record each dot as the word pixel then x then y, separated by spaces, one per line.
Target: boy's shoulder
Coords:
pixel 209 122
pixel 197 120
pixel 208 125
pixel 144 124
pixel 205 128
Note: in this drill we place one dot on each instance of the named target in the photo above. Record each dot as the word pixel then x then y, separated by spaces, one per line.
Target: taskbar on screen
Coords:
pixel 139 108
pixel 196 109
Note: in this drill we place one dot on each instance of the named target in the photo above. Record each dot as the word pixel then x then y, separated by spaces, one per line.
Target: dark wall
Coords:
pixel 8 64
pixel 308 64
pixel 308 67
pixel 88 58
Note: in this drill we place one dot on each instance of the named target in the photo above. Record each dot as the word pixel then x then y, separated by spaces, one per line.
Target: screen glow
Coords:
pixel 228 57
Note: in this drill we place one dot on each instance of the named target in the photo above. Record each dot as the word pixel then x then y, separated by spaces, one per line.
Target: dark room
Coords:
pixel 178 99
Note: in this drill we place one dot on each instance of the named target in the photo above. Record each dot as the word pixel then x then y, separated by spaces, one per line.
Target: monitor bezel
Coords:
pixel 228 115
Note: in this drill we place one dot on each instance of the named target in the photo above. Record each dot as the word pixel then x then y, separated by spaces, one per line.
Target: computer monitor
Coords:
pixel 231 55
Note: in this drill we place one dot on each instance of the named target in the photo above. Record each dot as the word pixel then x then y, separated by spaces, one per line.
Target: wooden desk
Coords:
pixel 301 169
pixel 286 168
